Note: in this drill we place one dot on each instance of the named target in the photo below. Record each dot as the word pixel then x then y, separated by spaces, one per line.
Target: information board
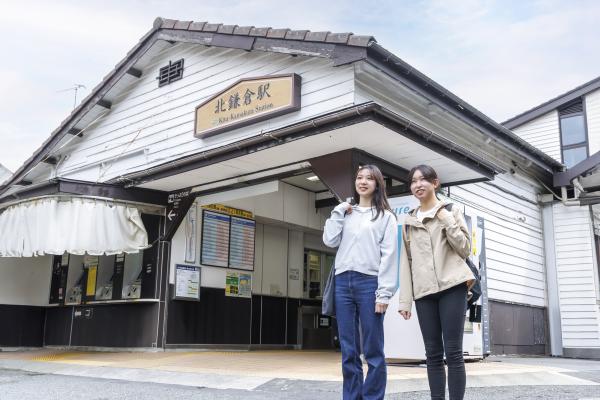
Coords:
pixel 215 239
pixel 238 284
pixel 241 246
pixel 187 282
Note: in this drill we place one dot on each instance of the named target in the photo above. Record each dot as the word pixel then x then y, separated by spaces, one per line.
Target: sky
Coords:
pixel 501 56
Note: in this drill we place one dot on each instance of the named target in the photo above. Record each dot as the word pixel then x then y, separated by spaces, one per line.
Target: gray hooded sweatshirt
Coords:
pixel 366 246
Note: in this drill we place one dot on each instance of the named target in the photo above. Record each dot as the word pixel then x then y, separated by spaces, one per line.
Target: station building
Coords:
pixel 567 128
pixel 181 204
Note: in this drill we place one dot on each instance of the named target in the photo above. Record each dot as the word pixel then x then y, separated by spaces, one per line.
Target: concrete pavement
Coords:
pixel 301 372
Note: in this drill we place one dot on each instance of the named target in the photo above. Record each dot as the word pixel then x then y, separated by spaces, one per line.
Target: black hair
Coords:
pixel 428 173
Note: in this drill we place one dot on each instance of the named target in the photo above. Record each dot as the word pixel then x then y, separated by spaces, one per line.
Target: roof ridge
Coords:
pixel 344 38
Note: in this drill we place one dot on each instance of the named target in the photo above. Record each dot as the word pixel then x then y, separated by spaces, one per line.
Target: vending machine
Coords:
pixel 403 340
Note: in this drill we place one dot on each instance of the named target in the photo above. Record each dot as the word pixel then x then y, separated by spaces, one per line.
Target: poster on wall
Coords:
pixel 91 264
pixel 215 239
pixel 241 246
pixel 238 284
pixel 187 282
pixel 190 234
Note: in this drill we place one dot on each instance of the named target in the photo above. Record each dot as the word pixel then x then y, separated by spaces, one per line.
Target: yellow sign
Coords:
pixel 91 281
pixel 229 210
pixel 246 102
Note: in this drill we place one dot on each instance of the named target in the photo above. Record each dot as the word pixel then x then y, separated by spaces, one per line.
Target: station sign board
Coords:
pixel 246 102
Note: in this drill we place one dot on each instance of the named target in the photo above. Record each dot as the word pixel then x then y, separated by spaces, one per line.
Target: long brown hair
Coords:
pixel 379 199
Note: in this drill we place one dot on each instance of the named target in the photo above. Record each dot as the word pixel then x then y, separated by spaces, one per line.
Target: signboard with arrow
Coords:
pixel 178 205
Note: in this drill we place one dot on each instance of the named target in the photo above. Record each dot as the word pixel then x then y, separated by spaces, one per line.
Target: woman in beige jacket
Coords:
pixel 434 273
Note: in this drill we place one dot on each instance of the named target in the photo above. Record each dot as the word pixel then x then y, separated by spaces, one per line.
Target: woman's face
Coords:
pixel 365 183
pixel 421 188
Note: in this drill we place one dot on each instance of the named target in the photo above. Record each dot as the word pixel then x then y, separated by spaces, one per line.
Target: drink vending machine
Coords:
pixel 403 340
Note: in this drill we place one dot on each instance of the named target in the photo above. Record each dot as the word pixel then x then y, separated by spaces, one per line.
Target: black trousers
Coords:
pixel 442 318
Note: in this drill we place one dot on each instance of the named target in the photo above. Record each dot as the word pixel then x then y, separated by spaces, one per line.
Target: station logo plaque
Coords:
pixel 246 102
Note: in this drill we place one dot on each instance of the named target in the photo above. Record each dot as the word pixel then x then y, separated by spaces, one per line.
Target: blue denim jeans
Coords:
pixel 355 304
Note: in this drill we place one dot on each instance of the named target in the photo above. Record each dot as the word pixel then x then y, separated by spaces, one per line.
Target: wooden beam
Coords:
pixel 323 203
pixel 134 72
pixel 75 131
pixel 337 170
pixel 52 160
pixel 104 103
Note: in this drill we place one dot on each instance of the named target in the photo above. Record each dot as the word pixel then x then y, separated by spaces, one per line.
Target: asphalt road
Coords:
pixel 19 385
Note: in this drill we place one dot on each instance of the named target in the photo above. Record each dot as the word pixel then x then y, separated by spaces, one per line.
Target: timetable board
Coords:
pixel 227 241
pixel 215 239
pixel 241 244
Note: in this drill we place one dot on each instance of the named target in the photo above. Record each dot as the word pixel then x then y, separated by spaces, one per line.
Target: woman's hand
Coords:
pixel 445 216
pixel 380 308
pixel 344 207
pixel 405 314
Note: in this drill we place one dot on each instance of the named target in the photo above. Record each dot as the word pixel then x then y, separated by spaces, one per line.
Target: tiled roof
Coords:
pixel 346 38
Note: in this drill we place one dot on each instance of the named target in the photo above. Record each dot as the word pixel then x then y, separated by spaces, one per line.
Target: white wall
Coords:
pixel 289 204
pixel 513 232
pixel 279 246
pixel 543 133
pixel 580 316
pixel 592 111
pixel 148 125
pixel 25 281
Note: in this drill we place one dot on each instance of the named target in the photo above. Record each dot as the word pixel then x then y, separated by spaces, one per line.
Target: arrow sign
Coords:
pixel 179 204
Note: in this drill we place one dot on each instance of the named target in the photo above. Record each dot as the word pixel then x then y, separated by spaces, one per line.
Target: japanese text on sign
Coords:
pixel 246 102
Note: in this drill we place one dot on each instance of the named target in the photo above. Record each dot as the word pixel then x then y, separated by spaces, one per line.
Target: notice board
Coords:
pixel 187 282
pixel 227 241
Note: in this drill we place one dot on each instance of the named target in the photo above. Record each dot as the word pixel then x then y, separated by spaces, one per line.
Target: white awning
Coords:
pixel 74 225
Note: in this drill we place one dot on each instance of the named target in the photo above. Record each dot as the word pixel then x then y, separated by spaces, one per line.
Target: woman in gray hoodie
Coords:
pixel 366 277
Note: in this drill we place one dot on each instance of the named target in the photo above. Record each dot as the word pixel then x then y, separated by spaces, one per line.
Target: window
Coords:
pixel 573 135
pixel 170 73
pixel 316 271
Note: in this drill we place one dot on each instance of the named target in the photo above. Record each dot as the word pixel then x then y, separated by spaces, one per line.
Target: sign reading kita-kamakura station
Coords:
pixel 248 101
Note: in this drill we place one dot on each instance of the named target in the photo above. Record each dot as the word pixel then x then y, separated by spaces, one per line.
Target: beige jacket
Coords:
pixel 433 254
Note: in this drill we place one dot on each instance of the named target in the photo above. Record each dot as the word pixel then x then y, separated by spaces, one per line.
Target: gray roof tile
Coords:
pixel 196 26
pixel 259 31
pixel 360 40
pixel 316 36
pixel 345 38
pixel 296 35
pixel 211 27
pixel 338 37
pixel 168 23
pixel 227 29
pixel 277 33
pixel 242 30
pixel 182 25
